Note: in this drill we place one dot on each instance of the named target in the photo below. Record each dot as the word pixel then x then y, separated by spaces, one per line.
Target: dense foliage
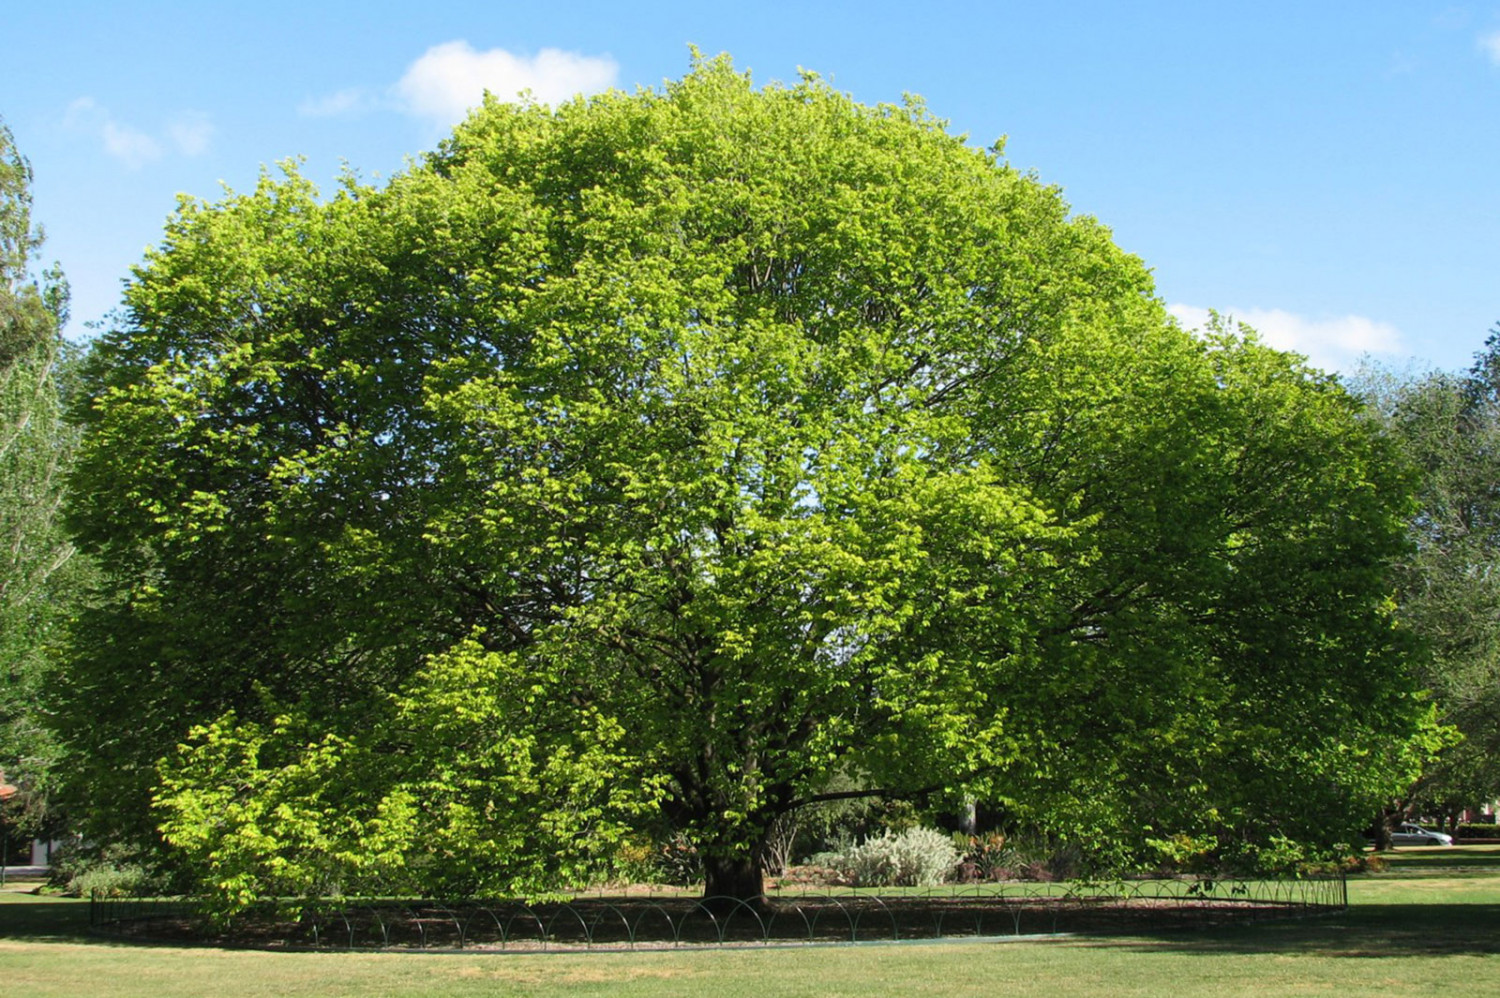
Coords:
pixel 35 445
pixel 633 468
pixel 1449 584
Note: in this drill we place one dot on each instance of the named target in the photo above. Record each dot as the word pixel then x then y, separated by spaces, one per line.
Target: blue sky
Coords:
pixel 1328 171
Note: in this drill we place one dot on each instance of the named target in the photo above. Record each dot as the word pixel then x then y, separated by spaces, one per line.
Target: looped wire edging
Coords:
pixel 662 920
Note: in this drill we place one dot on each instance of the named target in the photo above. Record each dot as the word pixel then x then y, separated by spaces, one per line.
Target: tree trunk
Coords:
pixel 1383 826
pixel 738 877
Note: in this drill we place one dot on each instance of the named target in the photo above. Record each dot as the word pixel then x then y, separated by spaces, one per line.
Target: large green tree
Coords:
pixel 35 445
pixel 632 467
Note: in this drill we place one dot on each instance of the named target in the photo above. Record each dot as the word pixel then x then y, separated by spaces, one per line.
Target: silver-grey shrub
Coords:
pixel 917 857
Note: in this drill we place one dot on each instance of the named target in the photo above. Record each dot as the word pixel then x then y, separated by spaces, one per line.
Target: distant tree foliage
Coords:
pixel 35 445
pixel 627 470
pixel 1449 585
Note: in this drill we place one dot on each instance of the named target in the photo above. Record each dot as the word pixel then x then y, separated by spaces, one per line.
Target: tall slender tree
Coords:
pixel 35 445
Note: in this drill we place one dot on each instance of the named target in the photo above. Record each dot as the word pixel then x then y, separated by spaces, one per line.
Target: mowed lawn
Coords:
pixel 1431 921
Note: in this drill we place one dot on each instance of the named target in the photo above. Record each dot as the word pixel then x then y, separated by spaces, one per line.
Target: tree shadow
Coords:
pixel 1454 861
pixel 1362 932
pixel 28 916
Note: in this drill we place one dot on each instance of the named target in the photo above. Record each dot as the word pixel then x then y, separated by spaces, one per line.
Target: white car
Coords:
pixel 1415 835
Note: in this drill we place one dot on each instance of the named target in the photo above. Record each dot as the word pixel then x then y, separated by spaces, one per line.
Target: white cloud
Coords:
pixel 1330 343
pixel 189 133
pixel 84 114
pixel 130 146
pixel 1491 44
pixel 449 79
pixel 351 101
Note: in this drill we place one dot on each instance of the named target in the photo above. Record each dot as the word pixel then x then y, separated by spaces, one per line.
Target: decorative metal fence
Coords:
pixel 655 920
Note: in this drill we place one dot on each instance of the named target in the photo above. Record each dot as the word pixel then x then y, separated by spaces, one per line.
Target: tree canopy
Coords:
pixel 630 468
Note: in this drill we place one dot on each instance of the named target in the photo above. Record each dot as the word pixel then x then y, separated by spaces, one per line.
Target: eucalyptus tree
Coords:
pixel 626 469
pixel 34 448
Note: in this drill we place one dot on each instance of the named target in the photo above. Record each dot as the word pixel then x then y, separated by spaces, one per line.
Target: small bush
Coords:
pixel 677 863
pixel 1369 862
pixel 994 857
pixel 128 880
pixel 110 872
pixel 986 857
pixel 917 857
pixel 1474 830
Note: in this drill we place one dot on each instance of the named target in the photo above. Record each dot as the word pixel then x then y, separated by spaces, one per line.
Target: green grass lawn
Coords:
pixel 1429 921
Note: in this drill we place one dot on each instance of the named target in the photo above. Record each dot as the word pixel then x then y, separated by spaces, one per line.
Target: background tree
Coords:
pixel 1449 427
pixel 634 467
pixel 35 445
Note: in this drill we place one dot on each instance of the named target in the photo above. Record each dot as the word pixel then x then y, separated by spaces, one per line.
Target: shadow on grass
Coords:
pixel 27 916
pixel 1362 932
pixel 1477 858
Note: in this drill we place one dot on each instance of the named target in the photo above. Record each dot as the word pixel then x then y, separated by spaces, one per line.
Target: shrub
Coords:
pixel 1474 830
pixel 109 872
pixel 986 857
pixel 917 857
pixel 677 862
pixel 127 880
pixel 995 857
